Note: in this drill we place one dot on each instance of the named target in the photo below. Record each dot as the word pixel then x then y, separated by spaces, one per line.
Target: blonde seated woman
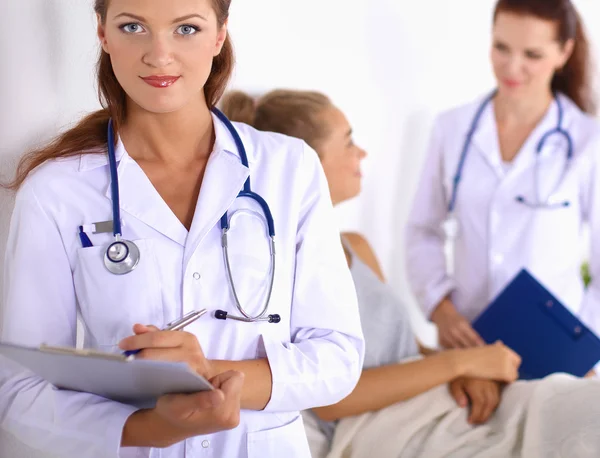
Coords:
pixel 410 401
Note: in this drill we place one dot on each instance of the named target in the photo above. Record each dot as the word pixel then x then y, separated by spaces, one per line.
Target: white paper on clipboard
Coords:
pixel 129 381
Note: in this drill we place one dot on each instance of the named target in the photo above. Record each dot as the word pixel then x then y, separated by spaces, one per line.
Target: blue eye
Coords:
pixel 187 29
pixel 132 28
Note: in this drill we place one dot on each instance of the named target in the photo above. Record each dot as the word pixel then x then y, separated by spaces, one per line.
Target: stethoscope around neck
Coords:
pixel 123 256
pixel 451 223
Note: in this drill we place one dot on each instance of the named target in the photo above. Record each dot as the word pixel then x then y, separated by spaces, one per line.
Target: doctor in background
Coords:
pixel 172 181
pixel 511 178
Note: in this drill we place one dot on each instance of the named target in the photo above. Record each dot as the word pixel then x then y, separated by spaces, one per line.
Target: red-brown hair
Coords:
pixel 89 135
pixel 574 80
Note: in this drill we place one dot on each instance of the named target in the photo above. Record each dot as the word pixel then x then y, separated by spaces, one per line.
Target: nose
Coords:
pixel 513 66
pixel 159 55
pixel 361 153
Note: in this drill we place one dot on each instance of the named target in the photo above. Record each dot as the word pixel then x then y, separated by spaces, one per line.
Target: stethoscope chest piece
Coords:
pixel 121 257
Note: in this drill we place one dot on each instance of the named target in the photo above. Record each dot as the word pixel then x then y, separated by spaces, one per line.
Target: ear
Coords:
pixel 221 37
pixel 101 31
pixel 566 52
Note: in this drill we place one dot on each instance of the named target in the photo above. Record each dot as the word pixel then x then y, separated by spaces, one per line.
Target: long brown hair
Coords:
pixel 89 135
pixel 574 80
pixel 294 113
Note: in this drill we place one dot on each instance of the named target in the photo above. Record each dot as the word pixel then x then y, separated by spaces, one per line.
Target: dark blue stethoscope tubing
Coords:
pixel 114 181
pixel 246 192
pixel 469 138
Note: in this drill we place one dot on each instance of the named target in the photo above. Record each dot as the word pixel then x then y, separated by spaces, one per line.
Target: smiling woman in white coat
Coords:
pixel 511 179
pixel 134 222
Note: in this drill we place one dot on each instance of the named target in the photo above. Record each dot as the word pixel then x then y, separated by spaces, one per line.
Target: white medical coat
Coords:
pixel 498 236
pixel 315 353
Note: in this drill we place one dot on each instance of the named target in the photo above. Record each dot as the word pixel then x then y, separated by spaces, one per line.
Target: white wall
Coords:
pixel 391 65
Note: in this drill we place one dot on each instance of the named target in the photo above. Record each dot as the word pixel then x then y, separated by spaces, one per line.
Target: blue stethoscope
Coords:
pixel 122 256
pixel 451 223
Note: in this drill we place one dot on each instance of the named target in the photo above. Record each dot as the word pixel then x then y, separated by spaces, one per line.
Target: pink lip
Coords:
pixel 511 83
pixel 161 81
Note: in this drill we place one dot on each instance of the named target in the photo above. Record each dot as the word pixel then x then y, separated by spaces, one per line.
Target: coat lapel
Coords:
pixel 527 155
pixel 140 199
pixel 224 178
pixel 485 140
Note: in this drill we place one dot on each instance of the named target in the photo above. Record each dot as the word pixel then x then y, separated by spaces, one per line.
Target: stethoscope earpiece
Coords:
pixel 223 315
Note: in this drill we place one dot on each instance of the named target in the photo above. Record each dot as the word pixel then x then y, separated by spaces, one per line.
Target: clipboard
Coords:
pixel 112 376
pixel 527 318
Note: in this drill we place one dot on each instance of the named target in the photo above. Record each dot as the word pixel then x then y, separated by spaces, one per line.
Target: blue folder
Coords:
pixel 532 322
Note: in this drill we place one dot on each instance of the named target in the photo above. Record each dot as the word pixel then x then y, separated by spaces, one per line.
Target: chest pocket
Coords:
pixel 111 304
pixel 249 255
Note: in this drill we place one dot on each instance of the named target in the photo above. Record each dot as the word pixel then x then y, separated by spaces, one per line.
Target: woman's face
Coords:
pixel 340 157
pixel 162 51
pixel 526 54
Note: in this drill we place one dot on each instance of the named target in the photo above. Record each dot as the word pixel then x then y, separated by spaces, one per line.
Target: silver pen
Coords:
pixel 186 319
pixel 176 325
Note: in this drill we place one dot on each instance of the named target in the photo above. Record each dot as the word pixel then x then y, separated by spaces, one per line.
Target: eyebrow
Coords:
pixel 349 133
pixel 179 19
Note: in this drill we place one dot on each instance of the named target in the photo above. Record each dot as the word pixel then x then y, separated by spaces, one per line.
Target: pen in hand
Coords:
pixel 176 325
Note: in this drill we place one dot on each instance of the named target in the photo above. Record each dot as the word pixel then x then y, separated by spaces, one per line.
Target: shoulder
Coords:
pixel 364 251
pixel 273 146
pixel 584 127
pixel 461 115
pixel 59 187
pixel 52 174
pixel 272 155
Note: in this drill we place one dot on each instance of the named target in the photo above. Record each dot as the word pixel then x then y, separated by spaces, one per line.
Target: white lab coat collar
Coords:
pixel 223 179
pixel 485 139
pixel 223 142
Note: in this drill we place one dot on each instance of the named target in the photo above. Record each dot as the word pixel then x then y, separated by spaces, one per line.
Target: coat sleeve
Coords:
pixel 425 238
pixel 322 363
pixel 40 307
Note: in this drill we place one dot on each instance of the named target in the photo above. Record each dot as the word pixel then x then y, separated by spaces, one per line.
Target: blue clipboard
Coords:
pixel 532 322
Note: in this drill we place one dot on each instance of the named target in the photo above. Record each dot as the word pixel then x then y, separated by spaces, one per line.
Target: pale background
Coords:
pixel 391 65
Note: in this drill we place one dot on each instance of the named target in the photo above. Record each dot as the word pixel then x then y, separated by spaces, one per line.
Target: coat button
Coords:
pixel 205 444
pixel 196 276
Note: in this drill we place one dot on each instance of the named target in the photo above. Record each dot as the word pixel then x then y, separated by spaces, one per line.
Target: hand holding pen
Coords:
pixel 164 345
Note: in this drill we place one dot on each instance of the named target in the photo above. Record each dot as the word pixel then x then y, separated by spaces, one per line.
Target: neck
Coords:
pixel 525 110
pixel 179 137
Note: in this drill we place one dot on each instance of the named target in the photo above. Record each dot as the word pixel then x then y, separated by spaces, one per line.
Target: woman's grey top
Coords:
pixel 386 326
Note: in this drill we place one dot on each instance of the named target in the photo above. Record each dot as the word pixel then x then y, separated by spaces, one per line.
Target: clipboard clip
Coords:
pixel 86 352
pixel 569 323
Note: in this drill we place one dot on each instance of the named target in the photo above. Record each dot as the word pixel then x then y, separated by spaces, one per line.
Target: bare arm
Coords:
pixel 363 250
pixel 145 428
pixel 383 386
pixel 179 416
pixel 375 389
pixel 256 392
